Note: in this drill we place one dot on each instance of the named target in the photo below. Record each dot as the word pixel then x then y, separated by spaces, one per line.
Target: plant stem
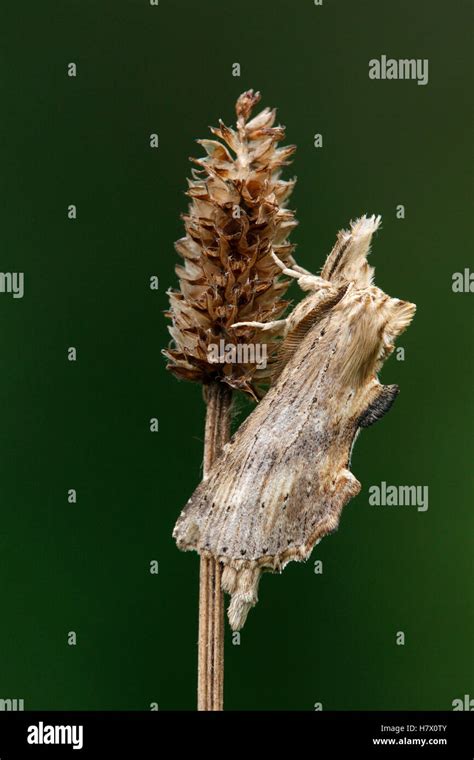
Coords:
pixel 218 397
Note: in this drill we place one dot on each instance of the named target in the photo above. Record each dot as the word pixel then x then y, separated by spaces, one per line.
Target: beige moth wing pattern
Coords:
pixel 282 480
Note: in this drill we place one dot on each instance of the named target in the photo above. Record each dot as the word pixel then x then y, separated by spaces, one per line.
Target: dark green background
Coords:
pixel 85 425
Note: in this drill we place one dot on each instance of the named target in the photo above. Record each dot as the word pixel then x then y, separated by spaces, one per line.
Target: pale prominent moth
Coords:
pixel 282 480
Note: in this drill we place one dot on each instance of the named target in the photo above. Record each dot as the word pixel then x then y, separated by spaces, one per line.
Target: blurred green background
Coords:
pixel 84 567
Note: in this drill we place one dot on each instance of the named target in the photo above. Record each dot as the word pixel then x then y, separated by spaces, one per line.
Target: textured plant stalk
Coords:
pixel 218 399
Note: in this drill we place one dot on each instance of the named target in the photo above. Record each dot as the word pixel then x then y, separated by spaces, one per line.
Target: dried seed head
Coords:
pixel 236 220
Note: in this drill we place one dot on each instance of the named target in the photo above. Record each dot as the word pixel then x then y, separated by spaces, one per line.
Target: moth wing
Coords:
pixel 261 507
pixel 265 505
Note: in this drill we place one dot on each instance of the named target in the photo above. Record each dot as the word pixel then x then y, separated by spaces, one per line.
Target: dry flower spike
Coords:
pixel 236 220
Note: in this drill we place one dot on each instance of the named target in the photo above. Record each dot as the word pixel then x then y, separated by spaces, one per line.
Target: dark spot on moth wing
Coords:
pixel 378 408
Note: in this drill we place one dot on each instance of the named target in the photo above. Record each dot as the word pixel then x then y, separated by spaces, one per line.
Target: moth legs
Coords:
pixel 305 279
pixel 276 327
pixel 307 282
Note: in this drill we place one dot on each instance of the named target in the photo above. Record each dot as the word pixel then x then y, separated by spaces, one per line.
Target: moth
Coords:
pixel 282 480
